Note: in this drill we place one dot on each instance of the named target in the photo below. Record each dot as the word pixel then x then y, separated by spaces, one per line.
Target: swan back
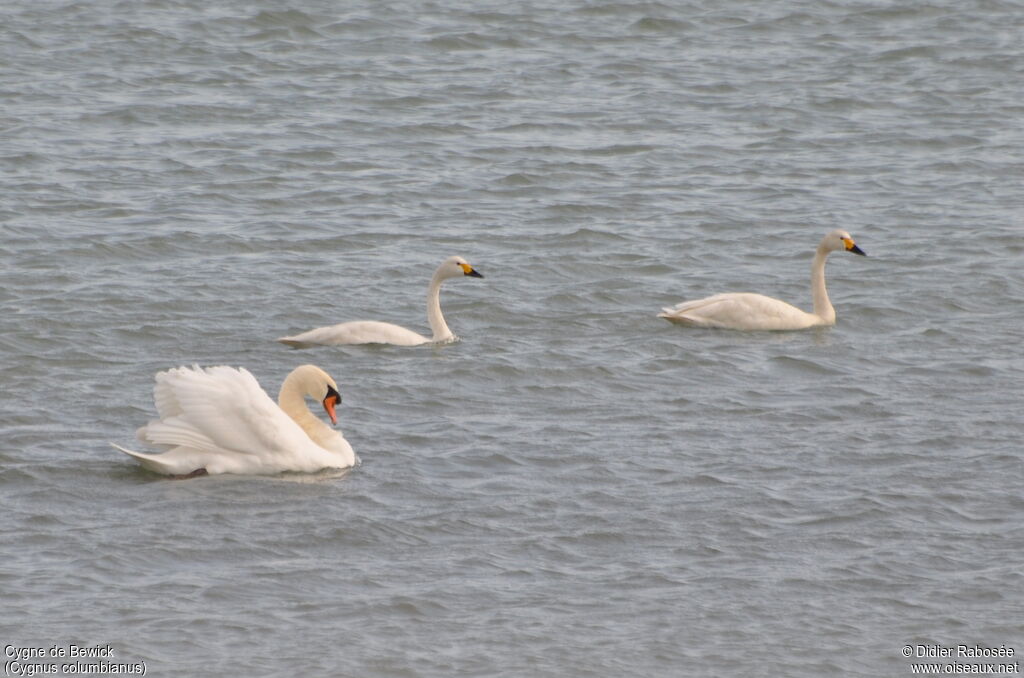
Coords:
pixel 740 310
pixel 356 332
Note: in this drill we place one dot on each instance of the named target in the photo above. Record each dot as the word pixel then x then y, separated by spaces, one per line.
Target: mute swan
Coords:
pixel 219 420
pixel 747 311
pixel 374 332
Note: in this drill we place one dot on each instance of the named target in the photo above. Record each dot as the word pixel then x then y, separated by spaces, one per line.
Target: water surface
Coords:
pixel 576 488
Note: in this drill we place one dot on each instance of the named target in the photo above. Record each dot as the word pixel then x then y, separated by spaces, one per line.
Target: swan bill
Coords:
pixel 470 271
pixel 852 248
pixel 330 402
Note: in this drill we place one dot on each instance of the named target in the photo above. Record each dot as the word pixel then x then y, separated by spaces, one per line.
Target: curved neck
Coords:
pixel 292 399
pixel 822 306
pixel 437 324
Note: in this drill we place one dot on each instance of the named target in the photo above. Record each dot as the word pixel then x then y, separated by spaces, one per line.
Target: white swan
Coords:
pixel 219 420
pixel 748 311
pixel 374 332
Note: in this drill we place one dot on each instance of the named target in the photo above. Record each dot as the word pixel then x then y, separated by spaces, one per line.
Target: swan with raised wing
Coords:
pixel 219 420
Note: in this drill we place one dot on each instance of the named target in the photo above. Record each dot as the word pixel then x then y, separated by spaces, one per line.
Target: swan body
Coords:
pixel 375 332
pixel 219 420
pixel 749 311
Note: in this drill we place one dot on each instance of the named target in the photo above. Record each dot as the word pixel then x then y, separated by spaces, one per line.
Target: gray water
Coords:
pixel 576 488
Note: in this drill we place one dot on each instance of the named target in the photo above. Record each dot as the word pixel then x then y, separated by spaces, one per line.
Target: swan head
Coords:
pixel 840 240
pixel 312 381
pixel 453 267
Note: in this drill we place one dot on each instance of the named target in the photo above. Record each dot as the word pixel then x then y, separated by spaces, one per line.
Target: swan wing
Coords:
pixel 741 311
pixel 356 332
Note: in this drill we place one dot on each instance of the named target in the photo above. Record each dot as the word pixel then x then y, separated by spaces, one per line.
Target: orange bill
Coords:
pixel 332 400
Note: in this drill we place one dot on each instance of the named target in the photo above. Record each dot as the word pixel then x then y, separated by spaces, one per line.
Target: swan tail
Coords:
pixel 321 336
pixel 180 462
pixel 151 462
pixel 674 315
pixel 295 342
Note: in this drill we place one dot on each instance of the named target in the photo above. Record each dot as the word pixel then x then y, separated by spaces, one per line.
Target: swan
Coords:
pixel 374 332
pixel 219 420
pixel 748 311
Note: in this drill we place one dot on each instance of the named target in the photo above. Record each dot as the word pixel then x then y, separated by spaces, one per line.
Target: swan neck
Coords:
pixel 822 306
pixel 437 324
pixel 292 400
